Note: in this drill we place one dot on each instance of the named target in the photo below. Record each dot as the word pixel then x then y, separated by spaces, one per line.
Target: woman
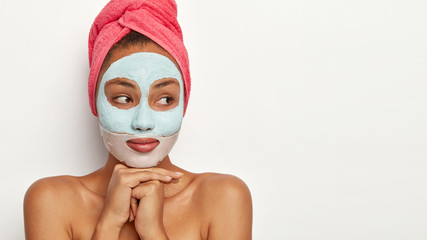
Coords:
pixel 139 86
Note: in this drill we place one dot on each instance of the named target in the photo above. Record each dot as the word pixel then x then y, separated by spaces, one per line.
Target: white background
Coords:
pixel 319 106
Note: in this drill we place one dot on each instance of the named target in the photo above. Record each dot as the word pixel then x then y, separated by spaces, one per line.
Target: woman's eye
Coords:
pixel 165 101
pixel 122 99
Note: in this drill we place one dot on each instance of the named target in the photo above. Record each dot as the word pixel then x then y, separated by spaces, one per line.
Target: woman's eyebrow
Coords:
pixel 120 82
pixel 165 83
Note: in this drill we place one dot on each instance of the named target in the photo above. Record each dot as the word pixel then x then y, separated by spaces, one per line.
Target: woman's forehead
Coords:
pixel 143 67
pixel 122 52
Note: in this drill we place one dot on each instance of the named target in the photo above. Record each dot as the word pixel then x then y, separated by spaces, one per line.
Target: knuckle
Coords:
pixel 156 183
pixel 149 187
pixel 118 168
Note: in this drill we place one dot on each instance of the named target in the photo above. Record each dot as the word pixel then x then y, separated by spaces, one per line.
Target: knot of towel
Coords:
pixel 156 19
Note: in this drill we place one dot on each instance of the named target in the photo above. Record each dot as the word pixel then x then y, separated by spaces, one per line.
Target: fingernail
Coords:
pixel 169 178
pixel 180 173
pixel 175 180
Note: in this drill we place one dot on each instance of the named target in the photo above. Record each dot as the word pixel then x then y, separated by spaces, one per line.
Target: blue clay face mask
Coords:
pixel 144 68
pixel 118 126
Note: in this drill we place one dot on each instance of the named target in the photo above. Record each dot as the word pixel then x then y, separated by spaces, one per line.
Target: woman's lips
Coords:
pixel 143 144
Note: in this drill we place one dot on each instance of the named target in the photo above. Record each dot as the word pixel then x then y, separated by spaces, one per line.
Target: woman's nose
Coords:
pixel 143 128
pixel 143 121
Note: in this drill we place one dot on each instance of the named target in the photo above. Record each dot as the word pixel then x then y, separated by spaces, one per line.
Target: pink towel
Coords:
pixel 156 19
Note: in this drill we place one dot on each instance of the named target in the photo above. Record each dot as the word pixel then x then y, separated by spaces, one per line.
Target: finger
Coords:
pixel 145 189
pixel 134 206
pixel 131 215
pixel 175 181
pixel 139 177
pixel 173 174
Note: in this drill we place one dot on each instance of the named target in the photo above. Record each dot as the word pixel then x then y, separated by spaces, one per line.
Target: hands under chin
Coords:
pixel 135 194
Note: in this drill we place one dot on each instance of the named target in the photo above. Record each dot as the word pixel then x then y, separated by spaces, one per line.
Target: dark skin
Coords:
pixel 118 202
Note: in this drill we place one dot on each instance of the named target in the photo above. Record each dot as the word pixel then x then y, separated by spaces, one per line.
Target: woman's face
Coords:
pixel 140 91
pixel 139 102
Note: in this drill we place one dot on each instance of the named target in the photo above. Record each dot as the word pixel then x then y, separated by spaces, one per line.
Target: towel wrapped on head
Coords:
pixel 156 19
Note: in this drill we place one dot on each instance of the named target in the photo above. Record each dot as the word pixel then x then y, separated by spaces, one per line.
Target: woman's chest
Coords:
pixel 181 219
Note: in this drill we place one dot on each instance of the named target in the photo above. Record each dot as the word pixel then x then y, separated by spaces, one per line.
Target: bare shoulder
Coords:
pixel 50 195
pixel 226 206
pixel 48 202
pixel 223 191
pixel 223 187
pixel 55 189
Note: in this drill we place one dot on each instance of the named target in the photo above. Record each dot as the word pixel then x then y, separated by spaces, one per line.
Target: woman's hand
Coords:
pixel 124 183
pixel 149 211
